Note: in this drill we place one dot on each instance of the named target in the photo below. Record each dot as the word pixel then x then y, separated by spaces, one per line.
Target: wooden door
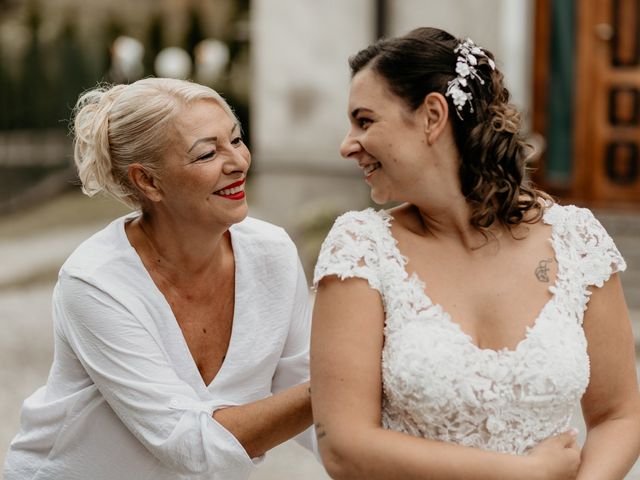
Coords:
pixel 607 104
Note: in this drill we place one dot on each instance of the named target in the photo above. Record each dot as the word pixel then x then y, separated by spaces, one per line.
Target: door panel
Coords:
pixel 608 101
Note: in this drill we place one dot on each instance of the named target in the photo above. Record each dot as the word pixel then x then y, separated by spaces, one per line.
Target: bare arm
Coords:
pixel 611 405
pixel 346 347
pixel 260 426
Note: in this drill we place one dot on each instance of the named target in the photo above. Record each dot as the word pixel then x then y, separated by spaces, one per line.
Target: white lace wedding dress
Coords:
pixel 437 383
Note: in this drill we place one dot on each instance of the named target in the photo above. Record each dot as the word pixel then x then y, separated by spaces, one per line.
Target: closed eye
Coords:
pixel 207 156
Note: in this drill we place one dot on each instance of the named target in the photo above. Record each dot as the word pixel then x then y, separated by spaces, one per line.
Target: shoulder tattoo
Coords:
pixel 542 270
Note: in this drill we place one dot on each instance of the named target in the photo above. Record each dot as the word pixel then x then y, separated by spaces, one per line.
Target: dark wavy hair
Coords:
pixel 493 153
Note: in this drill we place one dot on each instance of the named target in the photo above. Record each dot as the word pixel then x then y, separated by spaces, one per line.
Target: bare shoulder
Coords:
pixel 406 218
pixel 533 230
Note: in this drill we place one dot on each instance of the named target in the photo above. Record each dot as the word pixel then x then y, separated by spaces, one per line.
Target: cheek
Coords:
pixel 202 179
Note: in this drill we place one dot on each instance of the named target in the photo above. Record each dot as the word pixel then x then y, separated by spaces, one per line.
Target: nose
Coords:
pixel 349 145
pixel 238 161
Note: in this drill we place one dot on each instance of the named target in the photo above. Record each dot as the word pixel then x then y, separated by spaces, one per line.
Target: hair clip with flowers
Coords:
pixel 466 62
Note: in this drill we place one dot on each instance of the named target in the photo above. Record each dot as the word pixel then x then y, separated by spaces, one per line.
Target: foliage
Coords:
pixel 194 33
pixel 40 82
pixel 32 90
pixel 153 45
pixel 39 90
pixel 73 76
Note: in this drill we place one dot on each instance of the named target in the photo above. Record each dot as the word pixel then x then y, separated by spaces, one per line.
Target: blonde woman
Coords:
pixel 181 329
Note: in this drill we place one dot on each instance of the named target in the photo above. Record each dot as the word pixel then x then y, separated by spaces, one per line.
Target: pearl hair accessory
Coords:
pixel 466 63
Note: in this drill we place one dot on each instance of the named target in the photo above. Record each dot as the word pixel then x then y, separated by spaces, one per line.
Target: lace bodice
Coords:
pixel 437 383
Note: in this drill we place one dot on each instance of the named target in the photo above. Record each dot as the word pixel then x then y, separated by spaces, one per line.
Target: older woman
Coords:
pixel 181 330
pixel 455 333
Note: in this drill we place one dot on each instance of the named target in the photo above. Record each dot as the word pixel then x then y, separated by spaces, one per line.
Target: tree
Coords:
pixel 113 30
pixel 153 45
pixel 33 87
pixel 73 73
pixel 194 33
pixel 6 95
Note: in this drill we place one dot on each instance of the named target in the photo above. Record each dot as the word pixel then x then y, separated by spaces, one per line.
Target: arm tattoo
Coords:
pixel 320 431
pixel 542 271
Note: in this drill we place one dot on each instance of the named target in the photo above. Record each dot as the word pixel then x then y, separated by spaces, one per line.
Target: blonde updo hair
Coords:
pixel 116 126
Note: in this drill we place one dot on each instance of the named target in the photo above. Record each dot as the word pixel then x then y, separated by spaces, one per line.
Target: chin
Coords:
pixel 231 216
pixel 240 214
pixel 379 198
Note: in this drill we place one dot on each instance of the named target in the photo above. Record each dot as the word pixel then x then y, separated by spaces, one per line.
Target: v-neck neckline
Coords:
pixel 173 324
pixel 445 317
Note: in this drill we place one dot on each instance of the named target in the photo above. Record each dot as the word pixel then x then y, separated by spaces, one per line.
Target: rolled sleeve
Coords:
pixel 132 372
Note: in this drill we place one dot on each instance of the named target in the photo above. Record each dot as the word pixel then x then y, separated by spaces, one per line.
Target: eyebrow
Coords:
pixel 203 140
pixel 356 111
pixel 210 139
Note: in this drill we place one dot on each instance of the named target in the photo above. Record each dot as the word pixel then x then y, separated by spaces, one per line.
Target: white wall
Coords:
pixel 299 96
pixel 301 78
pixel 503 26
pixel 300 87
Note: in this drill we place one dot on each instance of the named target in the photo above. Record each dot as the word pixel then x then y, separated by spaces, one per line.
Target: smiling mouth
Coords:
pixel 369 169
pixel 235 191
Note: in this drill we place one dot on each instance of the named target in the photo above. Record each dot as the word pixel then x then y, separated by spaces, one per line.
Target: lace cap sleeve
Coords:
pixel 600 258
pixel 351 249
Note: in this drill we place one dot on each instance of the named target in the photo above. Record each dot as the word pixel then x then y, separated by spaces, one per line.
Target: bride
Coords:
pixel 453 335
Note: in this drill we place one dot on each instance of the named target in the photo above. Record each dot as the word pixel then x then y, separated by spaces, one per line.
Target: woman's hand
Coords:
pixel 557 457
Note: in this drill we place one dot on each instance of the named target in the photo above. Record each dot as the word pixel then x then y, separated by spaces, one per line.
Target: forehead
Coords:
pixel 369 89
pixel 203 118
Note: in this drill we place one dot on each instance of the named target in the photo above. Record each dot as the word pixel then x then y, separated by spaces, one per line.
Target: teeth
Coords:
pixel 231 191
pixel 370 168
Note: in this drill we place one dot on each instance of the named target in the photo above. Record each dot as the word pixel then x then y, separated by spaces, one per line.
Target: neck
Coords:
pixel 181 251
pixel 441 208
pixel 450 221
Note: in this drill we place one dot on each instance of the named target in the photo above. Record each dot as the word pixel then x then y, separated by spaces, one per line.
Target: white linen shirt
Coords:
pixel 124 398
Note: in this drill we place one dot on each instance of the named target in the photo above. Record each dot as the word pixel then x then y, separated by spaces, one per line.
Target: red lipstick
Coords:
pixel 233 196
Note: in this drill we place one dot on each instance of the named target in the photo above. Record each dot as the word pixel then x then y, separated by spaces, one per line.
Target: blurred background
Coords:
pixel 572 66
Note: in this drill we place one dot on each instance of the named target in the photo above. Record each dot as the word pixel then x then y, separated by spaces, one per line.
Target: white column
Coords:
pixel 517 38
pixel 300 84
